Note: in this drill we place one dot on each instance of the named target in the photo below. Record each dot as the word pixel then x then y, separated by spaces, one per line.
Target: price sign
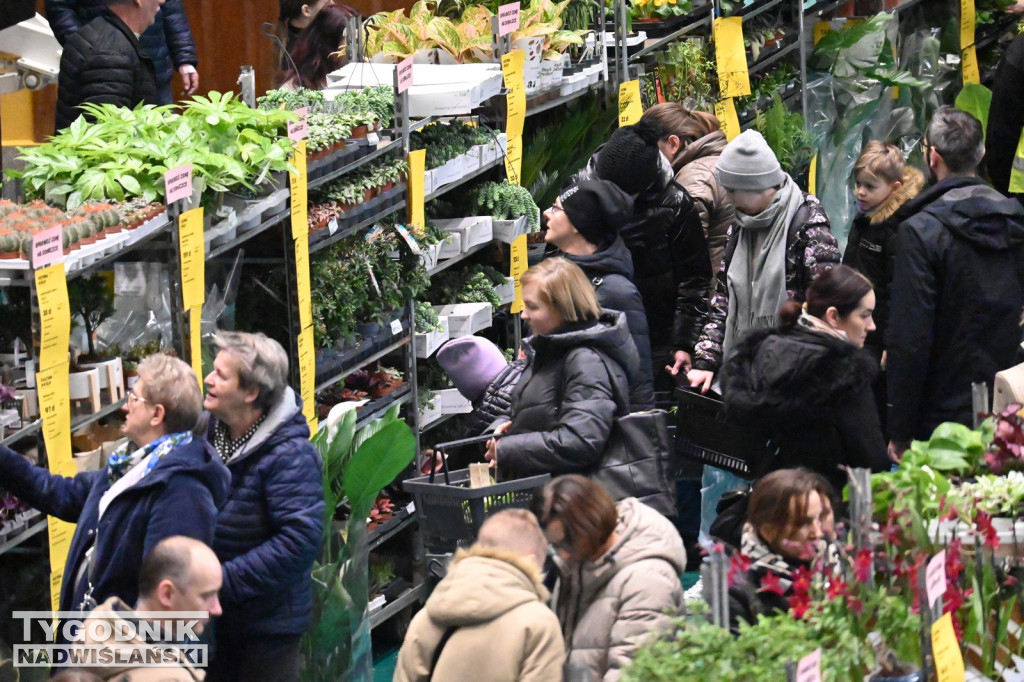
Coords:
pixel 54 317
pixel 508 18
pixel 178 183
pixel 47 247
pixel 300 237
pixel 307 377
pixel 515 99
pixel 60 533
pixel 519 265
pixel 404 74
pixel 949 663
pixel 725 110
pixel 967 27
pixel 514 159
pixel 298 130
pixel 417 180
pixel 193 258
pixel 733 79
pixel 630 106
pixel 969 63
pixel 935 578
pixel 821 29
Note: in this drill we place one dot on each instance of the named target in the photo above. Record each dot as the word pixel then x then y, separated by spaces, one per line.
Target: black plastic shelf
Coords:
pixel 391 609
pixel 751 11
pixel 275 219
pixel 352 229
pixel 75 425
pixel 666 40
pixel 556 102
pixel 775 56
pixel 361 161
pixel 376 408
pixel 389 529
pixel 334 367
pixel 35 526
pixel 995 30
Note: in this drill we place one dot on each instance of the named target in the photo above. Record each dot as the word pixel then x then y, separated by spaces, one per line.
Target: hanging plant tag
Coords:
pixel 373 279
pixel 508 18
pixel 408 239
pixel 178 183
pixel 47 247
pixel 935 578
pixel 404 75
pixel 332 226
pixel 809 667
pixel 396 327
pixel 630 106
pixel 297 130
pixel 949 662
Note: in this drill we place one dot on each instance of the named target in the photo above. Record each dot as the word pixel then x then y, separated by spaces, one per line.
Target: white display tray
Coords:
pixel 437 90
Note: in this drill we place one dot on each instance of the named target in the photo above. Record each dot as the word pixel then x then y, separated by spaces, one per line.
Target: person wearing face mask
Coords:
pixel 789 526
pixel 579 360
pixel 805 385
pixel 779 242
pixel 671 262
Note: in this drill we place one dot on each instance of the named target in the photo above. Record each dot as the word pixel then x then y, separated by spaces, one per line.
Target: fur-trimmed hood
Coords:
pixel 912 184
pixel 798 373
pixel 482 584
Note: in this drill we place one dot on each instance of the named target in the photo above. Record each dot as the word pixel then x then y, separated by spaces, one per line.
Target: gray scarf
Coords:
pixel 757 273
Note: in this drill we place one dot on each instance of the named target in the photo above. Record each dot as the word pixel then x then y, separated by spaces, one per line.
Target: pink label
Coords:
pixel 47 248
pixel 809 667
pixel 404 74
pixel 297 130
pixel 935 578
pixel 508 18
pixel 178 183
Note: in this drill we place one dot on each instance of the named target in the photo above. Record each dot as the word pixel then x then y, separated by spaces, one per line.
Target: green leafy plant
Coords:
pixel 427 319
pixel 784 132
pixel 686 72
pixel 91 299
pixel 506 201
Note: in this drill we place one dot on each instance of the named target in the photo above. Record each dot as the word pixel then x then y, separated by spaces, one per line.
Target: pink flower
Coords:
pixel 863 565
pixel 798 604
pixel 983 522
pixel 770 583
pixel 801 581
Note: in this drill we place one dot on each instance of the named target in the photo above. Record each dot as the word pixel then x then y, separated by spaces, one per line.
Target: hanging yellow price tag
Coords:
pixel 298 190
pixel 192 255
pixel 725 110
pixel 733 78
pixel 307 376
pixel 949 663
pixel 812 177
pixel 1017 170
pixel 519 264
pixel 55 410
pixel 821 29
pixel 54 316
pixel 195 341
pixel 514 159
pixel 631 108
pixel 515 98
pixel 969 63
pixel 967 27
pixel 417 196
pixel 56 577
pixel 60 533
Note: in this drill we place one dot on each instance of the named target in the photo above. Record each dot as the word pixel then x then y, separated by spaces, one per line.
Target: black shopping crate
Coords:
pixel 451 515
pixel 704 434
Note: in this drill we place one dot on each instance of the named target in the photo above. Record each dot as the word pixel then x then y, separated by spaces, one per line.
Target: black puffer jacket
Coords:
pixel 611 272
pixel 670 255
pixel 564 404
pixel 103 64
pixel 956 303
pixel 809 393
pixel 1006 116
pixel 168 42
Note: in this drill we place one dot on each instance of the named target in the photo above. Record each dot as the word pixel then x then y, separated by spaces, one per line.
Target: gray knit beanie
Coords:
pixel 748 163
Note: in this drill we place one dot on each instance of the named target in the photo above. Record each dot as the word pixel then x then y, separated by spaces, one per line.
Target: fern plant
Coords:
pixel 784 132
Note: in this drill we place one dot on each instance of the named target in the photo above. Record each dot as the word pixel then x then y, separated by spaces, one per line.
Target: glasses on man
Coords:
pixel 132 398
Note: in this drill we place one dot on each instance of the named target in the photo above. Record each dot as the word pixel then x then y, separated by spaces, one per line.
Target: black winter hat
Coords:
pixel 597 209
pixel 630 158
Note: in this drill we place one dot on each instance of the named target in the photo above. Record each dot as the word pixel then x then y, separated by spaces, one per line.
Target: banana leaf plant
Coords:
pixel 357 466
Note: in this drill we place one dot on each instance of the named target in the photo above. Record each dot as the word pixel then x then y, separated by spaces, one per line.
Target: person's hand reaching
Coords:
pixel 492 445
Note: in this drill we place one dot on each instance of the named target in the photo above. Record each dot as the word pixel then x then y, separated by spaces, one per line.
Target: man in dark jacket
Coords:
pixel 269 530
pixel 168 42
pixel 1003 154
pixel 162 483
pixel 664 236
pixel 957 290
pixel 104 64
pixel 584 223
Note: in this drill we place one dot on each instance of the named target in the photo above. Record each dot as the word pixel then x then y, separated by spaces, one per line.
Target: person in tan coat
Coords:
pixel 179 574
pixel 488 618
pixel 619 567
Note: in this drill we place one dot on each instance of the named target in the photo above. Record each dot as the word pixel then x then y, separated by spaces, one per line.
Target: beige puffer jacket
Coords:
pixel 505 631
pixel 695 172
pixel 608 607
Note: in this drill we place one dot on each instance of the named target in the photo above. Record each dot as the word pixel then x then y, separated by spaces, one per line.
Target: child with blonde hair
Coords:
pixel 884 183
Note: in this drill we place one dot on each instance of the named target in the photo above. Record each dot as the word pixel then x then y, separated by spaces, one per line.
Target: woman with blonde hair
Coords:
pixel 581 361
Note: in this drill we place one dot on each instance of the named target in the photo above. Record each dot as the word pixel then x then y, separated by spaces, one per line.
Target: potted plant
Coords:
pixel 92 300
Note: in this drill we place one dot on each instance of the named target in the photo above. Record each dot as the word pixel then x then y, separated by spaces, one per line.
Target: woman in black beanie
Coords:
pixel 584 224
pixel 664 235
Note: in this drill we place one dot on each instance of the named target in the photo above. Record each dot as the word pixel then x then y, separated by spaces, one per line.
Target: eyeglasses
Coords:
pixel 132 397
pixel 925 146
pixel 556 209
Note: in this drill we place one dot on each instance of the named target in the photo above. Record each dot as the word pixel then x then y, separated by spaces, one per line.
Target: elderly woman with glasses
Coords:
pixel 269 531
pixel 161 483
pixel 619 567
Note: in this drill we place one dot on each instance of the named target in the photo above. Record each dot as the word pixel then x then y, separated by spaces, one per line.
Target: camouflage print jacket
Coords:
pixel 810 250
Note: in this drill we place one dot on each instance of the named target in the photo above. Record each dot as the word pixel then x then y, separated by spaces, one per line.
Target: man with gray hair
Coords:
pixel 487 619
pixel 958 286
pixel 103 63
pixel 269 530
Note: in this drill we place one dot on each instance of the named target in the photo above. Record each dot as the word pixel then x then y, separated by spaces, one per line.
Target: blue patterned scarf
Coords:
pixel 123 459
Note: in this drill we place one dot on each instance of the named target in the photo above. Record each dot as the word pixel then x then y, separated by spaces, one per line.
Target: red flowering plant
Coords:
pixel 1006 452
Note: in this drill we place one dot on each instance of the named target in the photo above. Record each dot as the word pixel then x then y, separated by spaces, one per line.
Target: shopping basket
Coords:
pixel 705 434
pixel 451 513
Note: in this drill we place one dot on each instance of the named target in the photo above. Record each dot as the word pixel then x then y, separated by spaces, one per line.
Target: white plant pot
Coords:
pixel 508 230
pixel 465 319
pixel 451 246
pixel 506 292
pixel 453 402
pixel 474 230
pixel 428 343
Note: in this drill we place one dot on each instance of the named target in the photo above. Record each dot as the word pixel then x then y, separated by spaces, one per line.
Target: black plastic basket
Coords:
pixel 451 515
pixel 704 434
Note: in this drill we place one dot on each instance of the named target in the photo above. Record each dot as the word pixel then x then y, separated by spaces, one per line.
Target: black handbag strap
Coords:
pixel 438 649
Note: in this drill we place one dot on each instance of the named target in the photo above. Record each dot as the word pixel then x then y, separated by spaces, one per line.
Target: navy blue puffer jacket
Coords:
pixel 168 42
pixel 269 531
pixel 180 496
